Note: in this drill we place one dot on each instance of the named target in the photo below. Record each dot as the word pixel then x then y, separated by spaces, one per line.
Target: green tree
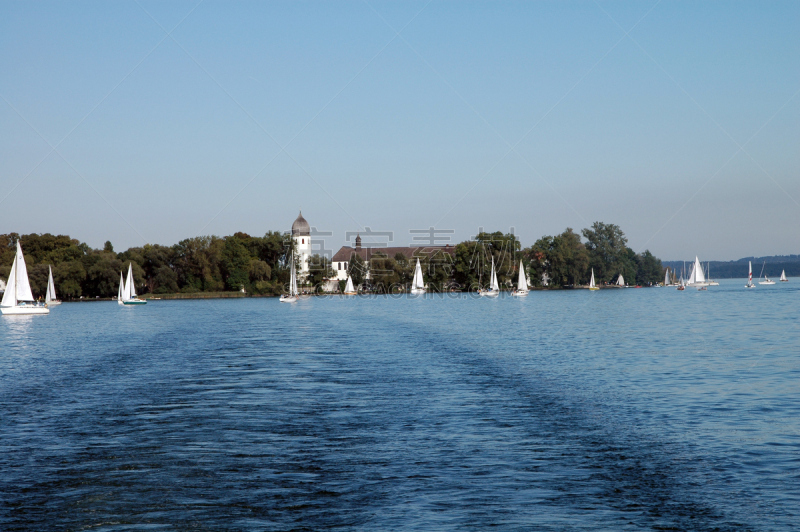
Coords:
pixel 319 270
pixel 235 263
pixel 383 273
pixel 356 269
pixel 68 278
pixel 648 269
pixel 608 252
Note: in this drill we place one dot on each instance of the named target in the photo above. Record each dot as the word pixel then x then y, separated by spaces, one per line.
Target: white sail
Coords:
pixel 418 282
pixel 129 282
pixel 493 285
pixel 620 280
pixel 522 283
pixel 349 288
pixel 51 287
pixel 699 277
pixel 666 277
pixel 293 279
pixel 10 295
pixel 591 280
pixel 23 287
pixel 783 275
pixel 122 295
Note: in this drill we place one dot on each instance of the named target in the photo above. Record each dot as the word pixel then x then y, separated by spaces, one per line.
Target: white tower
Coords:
pixel 301 234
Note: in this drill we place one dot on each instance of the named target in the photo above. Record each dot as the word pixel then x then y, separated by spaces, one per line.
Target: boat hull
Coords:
pixel 53 303
pixel 417 291
pixel 288 299
pixel 519 293
pixel 17 311
pixel 135 302
pixel 488 293
pixel 766 282
pixel 593 288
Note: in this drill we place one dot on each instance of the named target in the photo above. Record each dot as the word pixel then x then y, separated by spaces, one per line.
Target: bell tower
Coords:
pixel 301 234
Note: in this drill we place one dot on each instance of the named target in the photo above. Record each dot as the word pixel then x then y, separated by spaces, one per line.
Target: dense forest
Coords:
pixel 260 264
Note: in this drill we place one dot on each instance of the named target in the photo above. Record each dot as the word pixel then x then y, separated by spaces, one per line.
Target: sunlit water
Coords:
pixel 618 409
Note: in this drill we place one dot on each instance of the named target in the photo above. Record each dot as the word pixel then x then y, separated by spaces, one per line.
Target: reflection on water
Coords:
pixel 618 409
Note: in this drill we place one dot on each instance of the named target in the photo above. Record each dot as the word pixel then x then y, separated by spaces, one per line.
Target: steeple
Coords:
pixel 358 241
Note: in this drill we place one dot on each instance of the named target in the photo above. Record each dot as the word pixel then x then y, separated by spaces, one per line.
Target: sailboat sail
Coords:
pixel 666 277
pixel 699 277
pixel 129 283
pixel 293 280
pixel 349 288
pixel 122 295
pixel 591 280
pixel 522 283
pixel 418 283
pixel 23 286
pixel 620 280
pixel 783 275
pixel 51 289
pixel 494 286
pixel 10 295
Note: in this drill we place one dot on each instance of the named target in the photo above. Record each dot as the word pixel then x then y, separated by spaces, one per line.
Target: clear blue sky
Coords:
pixel 531 115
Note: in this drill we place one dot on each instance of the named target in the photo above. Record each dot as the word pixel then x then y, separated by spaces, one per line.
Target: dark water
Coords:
pixel 618 410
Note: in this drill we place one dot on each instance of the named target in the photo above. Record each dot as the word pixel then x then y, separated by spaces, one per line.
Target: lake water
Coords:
pixel 617 410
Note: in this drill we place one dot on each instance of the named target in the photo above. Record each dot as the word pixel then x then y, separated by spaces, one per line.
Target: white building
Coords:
pixel 301 234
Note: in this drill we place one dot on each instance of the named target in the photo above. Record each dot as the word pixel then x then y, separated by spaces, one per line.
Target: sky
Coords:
pixel 151 122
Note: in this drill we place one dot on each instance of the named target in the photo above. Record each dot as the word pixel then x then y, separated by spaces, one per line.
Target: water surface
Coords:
pixel 635 409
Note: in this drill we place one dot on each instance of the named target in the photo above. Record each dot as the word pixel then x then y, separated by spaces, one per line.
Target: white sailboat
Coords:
pixel 666 277
pixel 783 277
pixel 18 298
pixel 127 291
pixel 697 278
pixel 348 289
pixel 418 283
pixel 766 280
pixel 494 288
pixel 592 285
pixel 750 276
pixel 50 298
pixel 291 297
pixel 522 283
pixel 621 281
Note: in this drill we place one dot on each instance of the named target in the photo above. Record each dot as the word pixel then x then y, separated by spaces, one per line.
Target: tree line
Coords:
pixel 260 265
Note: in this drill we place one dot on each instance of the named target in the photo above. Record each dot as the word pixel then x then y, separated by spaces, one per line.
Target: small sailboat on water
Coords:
pixel 348 289
pixel 783 277
pixel 522 283
pixel 766 280
pixel 50 298
pixel 592 285
pixel 291 297
pixel 18 298
pixel 494 287
pixel 750 276
pixel 127 291
pixel 621 281
pixel 418 283
pixel 697 278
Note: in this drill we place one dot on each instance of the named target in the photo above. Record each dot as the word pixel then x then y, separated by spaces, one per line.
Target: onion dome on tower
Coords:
pixel 300 226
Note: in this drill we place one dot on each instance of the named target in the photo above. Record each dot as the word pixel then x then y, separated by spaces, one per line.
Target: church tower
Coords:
pixel 301 234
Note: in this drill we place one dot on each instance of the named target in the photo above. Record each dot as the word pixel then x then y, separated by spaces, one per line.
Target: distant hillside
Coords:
pixel 738 268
